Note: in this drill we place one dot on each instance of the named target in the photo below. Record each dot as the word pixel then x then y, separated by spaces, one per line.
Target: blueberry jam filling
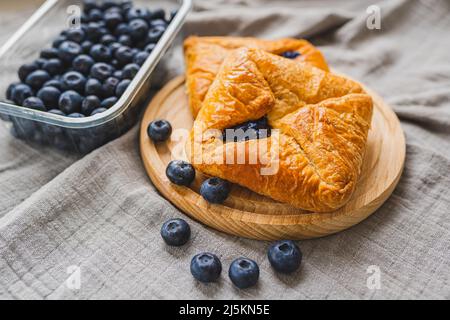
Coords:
pixel 250 130
pixel 291 54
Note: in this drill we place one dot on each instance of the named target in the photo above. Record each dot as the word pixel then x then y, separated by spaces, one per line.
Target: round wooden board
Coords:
pixel 251 215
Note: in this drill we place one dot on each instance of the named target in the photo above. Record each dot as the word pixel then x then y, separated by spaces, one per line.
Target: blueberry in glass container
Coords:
pixel 124 55
pixel 112 19
pixel 121 87
pixel 68 50
pixel 70 102
pixel 158 22
pixel 180 172
pixel 40 62
pixel 76 35
pixel 20 92
pixel 95 15
pixel 89 104
pixel 285 256
pixel 37 78
pixel 108 4
pixel 34 103
pixel 158 14
pixel 206 267
pixel 26 69
pixel 140 57
pixel 108 102
pixel 138 29
pixel 125 40
pixel 215 190
pixel 118 74
pixel 49 96
pixel 53 83
pixel 88 5
pixel 10 90
pixel 175 232
pixel 244 273
pixel 73 80
pixel 109 87
pixel 93 87
pixel 155 34
pixel 76 115
pixel 53 66
pixel 94 31
pixel 138 13
pixel 101 71
pixel 98 110
pixel 86 46
pixel 122 29
pixel 58 41
pixel 149 48
pixel 159 130
pixel 114 47
pixel 49 53
pixel 130 71
pixel 107 39
pixel 83 64
pixel 100 53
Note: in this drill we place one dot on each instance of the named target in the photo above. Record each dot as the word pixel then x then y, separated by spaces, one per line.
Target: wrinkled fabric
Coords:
pixel 102 214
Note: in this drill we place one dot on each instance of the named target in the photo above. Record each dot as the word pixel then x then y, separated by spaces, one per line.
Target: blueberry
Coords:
pixel 20 93
pixel 26 69
pixel 180 172
pixel 140 57
pixel 112 19
pixel 58 41
pixel 68 50
pixel 98 110
pixel 49 96
pixel 94 31
pixel 53 66
pixel 173 13
pixel 109 102
pixel 34 103
pixel 49 53
pixel 37 78
pixel 158 23
pixel 155 34
pixel 115 9
pixel 100 53
pixel 89 104
pixel 40 62
pixel 244 273
pixel 138 13
pixel 121 87
pixel 206 267
pixel 84 18
pixel 124 55
pixel 255 129
pixel 126 5
pixel 118 74
pixel 149 48
pixel 175 232
pixel 76 35
pixel 285 256
pixel 108 4
pixel 10 91
pixel 73 80
pixel 138 28
pixel 83 64
pixel 70 102
pixel 159 130
pixel 114 47
pixel 53 83
pixel 215 190
pixel 86 46
pixel 130 71
pixel 107 39
pixel 116 64
pixel 57 112
pixel 95 15
pixel 109 86
pixel 101 71
pixel 93 87
pixel 158 14
pixel 125 40
pixel 88 5
pixel 291 54
pixel 122 29
pixel 76 115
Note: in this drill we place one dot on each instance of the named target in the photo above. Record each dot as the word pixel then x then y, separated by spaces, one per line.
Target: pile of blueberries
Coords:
pixel 89 67
pixel 284 256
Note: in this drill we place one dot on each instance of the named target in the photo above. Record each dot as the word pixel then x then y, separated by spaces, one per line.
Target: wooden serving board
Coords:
pixel 251 215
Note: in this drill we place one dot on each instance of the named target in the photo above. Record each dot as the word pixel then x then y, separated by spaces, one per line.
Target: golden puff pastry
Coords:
pixel 204 55
pixel 322 122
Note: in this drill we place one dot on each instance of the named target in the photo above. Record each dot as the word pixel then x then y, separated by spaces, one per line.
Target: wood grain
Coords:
pixel 251 215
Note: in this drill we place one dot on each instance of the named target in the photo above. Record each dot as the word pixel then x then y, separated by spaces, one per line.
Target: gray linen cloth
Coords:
pixel 102 214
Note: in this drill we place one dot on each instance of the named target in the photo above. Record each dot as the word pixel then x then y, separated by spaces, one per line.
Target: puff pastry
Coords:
pixel 204 55
pixel 322 119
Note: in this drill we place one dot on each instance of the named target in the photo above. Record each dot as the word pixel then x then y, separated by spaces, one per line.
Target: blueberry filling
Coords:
pixel 291 54
pixel 250 130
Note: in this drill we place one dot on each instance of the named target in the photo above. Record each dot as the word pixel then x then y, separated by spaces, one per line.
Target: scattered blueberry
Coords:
pixel 20 93
pixel 68 50
pixel 109 87
pixel 100 53
pixel 175 232
pixel 76 35
pixel 121 87
pixel 244 273
pixel 291 54
pixel 130 71
pixel 89 104
pixel 49 53
pixel 206 267
pixel 101 71
pixel 180 172
pixel 53 66
pixel 34 103
pixel 215 190
pixel 159 130
pixel 37 78
pixel 70 102
pixel 49 96
pixel 140 58
pixel 98 110
pixel 109 102
pixel 73 80
pixel 285 256
pixel 26 69
pixel 83 64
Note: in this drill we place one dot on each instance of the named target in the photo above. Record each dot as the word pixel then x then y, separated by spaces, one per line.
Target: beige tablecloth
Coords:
pixel 102 214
